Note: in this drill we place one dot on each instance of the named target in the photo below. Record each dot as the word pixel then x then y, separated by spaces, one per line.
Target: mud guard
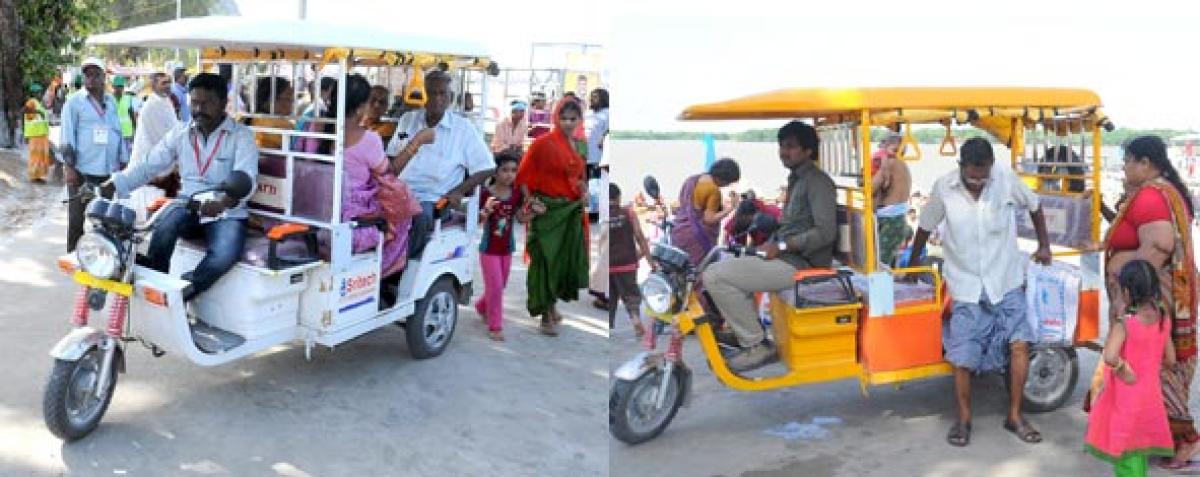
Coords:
pixel 73 346
pixel 646 362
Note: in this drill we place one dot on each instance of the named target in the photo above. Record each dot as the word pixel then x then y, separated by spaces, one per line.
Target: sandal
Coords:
pixel 555 316
pixel 547 327
pixel 496 335
pixel 1024 431
pixel 960 434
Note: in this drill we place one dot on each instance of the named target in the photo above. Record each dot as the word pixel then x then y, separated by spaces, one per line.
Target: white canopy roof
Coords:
pixel 1186 137
pixel 247 33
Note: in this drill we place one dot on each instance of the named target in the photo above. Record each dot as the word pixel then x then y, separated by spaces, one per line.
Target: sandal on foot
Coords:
pixel 960 434
pixel 547 327
pixel 1024 431
pixel 496 335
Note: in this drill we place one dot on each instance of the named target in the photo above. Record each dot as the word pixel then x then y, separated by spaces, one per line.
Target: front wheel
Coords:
pixel 1053 373
pixel 429 330
pixel 70 405
pixel 633 417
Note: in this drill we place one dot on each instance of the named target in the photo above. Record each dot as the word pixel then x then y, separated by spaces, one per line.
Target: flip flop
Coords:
pixel 960 434
pixel 1023 431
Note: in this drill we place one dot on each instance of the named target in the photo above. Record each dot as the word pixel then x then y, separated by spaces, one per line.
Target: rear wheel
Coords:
pixel 70 405
pixel 429 330
pixel 633 417
pixel 1053 373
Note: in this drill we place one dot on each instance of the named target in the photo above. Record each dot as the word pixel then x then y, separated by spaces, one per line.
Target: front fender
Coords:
pixel 645 362
pixel 73 346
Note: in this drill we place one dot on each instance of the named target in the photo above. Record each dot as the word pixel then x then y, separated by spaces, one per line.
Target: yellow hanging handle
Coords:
pixel 949 147
pixel 908 150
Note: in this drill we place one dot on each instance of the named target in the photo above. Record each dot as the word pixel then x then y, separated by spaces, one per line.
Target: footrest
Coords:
pixel 213 340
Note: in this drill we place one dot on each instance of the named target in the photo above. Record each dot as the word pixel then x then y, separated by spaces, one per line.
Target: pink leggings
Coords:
pixel 495 278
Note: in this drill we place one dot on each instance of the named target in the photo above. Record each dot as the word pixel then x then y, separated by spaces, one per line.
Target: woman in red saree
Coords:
pixel 551 177
pixel 1154 224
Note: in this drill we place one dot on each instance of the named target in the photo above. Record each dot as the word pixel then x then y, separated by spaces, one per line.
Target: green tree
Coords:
pixel 39 36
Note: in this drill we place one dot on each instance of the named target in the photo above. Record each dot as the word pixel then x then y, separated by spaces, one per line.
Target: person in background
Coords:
pixel 539 117
pixel 699 216
pixel 891 183
pixel 180 91
pixel 552 176
pixel 36 125
pixel 504 206
pixel 91 142
pixel 279 107
pixel 127 105
pixel 1153 223
pixel 628 247
pixel 511 132
pixel 377 107
pixel 157 118
pixel 598 102
pixel 324 106
pixel 1128 419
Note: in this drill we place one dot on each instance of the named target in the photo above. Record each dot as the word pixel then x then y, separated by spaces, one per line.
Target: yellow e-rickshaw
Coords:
pixel 859 319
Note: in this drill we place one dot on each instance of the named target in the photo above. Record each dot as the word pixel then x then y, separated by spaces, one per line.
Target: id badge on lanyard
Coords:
pixel 100 133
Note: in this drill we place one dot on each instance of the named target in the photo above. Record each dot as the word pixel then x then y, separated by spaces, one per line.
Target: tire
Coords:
pixel 429 330
pixel 1053 374
pixel 65 417
pixel 624 402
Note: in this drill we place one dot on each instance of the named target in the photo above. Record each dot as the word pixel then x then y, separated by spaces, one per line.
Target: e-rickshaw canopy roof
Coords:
pixel 243 38
pixel 820 102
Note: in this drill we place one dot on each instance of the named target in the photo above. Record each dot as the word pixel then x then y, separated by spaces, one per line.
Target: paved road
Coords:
pixel 894 432
pixel 530 406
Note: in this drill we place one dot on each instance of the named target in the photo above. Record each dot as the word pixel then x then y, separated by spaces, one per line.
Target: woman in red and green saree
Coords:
pixel 551 177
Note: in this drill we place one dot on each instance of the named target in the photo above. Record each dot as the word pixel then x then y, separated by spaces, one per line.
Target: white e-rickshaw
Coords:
pixel 298 279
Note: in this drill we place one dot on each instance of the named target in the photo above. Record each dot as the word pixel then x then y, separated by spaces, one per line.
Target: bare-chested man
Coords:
pixel 891 184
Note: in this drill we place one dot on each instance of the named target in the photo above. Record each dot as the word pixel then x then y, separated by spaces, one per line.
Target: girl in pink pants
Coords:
pixel 503 205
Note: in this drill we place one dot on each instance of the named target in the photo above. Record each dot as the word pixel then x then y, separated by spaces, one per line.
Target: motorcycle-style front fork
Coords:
pixel 113 331
pixel 673 355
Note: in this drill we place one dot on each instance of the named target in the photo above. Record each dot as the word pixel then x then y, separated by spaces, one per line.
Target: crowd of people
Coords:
pixel 184 134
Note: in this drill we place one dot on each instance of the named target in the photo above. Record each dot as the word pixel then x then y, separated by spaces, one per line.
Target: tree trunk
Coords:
pixel 11 78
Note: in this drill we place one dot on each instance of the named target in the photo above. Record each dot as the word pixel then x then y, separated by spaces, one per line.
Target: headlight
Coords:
pixel 658 294
pixel 98 255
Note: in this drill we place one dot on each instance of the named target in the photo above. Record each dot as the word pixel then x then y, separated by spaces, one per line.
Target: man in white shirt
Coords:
pixel 157 116
pixel 442 157
pixel 985 273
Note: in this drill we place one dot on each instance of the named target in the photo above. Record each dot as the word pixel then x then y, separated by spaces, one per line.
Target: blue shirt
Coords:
pixel 203 162
pixel 181 93
pixel 81 118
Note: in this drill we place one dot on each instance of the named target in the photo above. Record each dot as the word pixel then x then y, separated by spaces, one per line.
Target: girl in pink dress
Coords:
pixel 1128 421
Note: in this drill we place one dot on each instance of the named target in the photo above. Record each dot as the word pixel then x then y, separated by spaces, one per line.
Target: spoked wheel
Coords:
pixel 429 330
pixel 1052 376
pixel 633 415
pixel 70 405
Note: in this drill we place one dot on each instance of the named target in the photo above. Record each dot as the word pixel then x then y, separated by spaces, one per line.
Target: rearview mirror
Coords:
pixel 650 184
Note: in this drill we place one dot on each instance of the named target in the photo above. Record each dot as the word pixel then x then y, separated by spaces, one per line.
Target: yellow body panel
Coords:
pixel 810 102
pixel 909 374
pixel 85 278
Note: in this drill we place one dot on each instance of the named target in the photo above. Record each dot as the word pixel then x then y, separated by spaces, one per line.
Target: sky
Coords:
pixel 1140 57
pixel 663 55
pixel 507 28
